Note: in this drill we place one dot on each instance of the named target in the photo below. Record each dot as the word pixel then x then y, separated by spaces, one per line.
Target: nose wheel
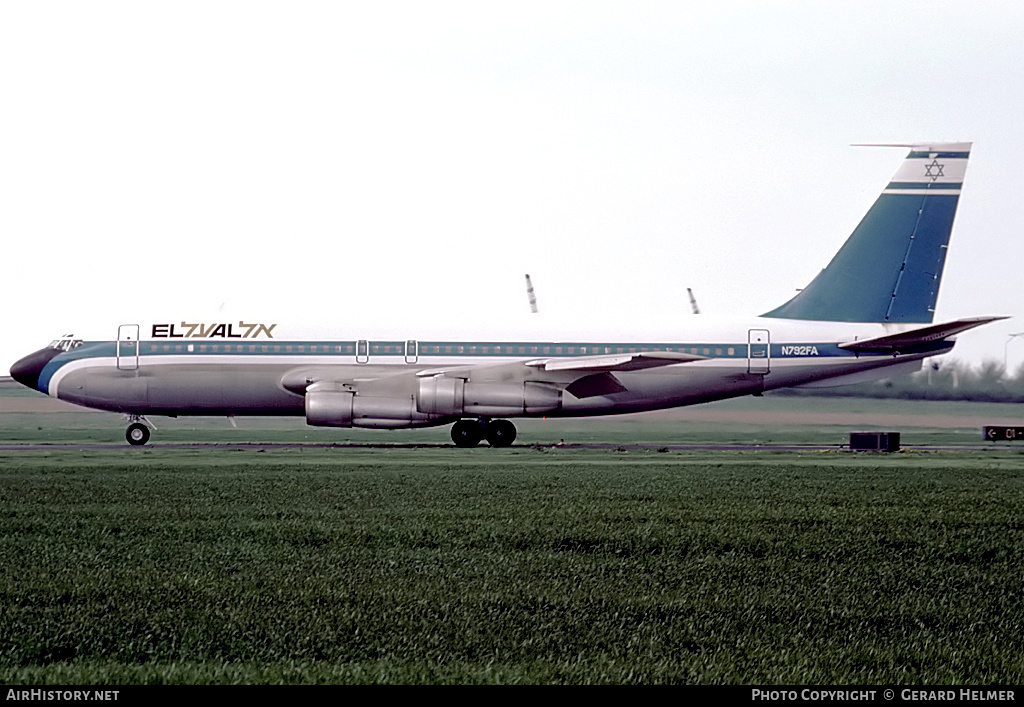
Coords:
pixel 498 433
pixel 137 434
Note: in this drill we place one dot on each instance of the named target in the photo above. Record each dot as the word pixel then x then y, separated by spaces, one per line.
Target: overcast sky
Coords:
pixel 418 158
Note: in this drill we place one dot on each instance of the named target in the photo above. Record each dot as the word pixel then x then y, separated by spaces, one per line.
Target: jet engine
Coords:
pixel 333 405
pixel 443 395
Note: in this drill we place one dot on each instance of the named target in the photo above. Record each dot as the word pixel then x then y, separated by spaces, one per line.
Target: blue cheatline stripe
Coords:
pixel 938 155
pixel 450 349
pixel 925 185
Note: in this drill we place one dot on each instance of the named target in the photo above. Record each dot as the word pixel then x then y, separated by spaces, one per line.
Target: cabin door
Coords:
pixel 759 351
pixel 128 347
pixel 412 351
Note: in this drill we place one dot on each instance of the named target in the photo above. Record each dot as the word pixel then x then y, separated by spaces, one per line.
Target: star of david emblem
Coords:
pixel 934 170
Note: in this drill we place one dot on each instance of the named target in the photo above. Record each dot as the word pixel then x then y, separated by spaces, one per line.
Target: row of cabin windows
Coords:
pixel 399 349
pixel 253 348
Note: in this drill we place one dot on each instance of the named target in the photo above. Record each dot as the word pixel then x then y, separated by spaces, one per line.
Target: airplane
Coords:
pixel 869 314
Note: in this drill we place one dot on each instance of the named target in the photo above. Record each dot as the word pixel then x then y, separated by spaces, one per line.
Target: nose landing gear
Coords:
pixel 498 433
pixel 137 433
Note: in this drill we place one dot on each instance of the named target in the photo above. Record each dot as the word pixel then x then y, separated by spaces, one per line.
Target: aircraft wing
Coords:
pixel 582 376
pixel 582 364
pixel 916 337
pixel 614 362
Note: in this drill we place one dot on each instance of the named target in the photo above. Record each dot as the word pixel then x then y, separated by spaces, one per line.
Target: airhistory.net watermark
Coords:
pixel 62 695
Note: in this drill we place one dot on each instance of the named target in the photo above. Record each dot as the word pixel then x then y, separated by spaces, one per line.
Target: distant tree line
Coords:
pixel 940 380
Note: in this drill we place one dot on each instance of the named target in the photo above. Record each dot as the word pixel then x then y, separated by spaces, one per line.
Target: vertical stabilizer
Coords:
pixel 890 268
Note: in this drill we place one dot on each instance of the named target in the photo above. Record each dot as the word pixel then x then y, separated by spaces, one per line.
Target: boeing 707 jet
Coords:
pixel 869 314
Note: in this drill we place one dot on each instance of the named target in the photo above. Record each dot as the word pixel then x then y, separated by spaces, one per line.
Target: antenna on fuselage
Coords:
pixel 693 301
pixel 529 293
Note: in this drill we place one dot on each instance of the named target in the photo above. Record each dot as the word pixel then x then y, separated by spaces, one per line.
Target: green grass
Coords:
pixel 510 566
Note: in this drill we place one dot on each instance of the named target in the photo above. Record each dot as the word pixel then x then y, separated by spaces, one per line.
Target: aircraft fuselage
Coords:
pixel 165 375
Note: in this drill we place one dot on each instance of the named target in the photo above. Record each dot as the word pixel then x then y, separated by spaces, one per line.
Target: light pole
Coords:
pixel 1006 348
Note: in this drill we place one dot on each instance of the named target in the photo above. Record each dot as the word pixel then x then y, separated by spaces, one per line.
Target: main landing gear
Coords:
pixel 498 433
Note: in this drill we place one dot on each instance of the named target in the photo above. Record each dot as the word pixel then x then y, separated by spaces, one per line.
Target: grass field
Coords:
pixel 532 564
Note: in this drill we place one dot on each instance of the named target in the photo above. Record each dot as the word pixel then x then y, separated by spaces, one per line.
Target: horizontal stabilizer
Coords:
pixel 916 337
pixel 614 362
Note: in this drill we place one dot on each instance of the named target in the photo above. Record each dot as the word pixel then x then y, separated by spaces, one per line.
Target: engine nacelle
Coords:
pixel 442 395
pixel 328 407
pixel 331 405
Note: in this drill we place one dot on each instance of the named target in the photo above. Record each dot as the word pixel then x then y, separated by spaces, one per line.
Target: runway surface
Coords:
pixel 775 412
pixel 277 446
pixel 754 414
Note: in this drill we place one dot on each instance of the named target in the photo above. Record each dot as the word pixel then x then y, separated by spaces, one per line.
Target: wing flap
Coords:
pixel 595 384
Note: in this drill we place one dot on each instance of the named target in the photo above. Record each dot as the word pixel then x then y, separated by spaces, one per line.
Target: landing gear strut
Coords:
pixel 468 433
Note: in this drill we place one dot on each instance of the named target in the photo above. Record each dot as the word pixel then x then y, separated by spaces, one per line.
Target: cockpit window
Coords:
pixel 65 343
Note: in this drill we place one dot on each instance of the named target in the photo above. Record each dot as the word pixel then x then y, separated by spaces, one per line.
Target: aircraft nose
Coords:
pixel 26 370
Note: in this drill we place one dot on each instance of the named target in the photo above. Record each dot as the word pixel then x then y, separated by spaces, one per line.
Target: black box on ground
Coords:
pixel 875 441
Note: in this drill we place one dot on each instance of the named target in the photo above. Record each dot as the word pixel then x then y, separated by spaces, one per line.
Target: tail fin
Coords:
pixel 889 269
